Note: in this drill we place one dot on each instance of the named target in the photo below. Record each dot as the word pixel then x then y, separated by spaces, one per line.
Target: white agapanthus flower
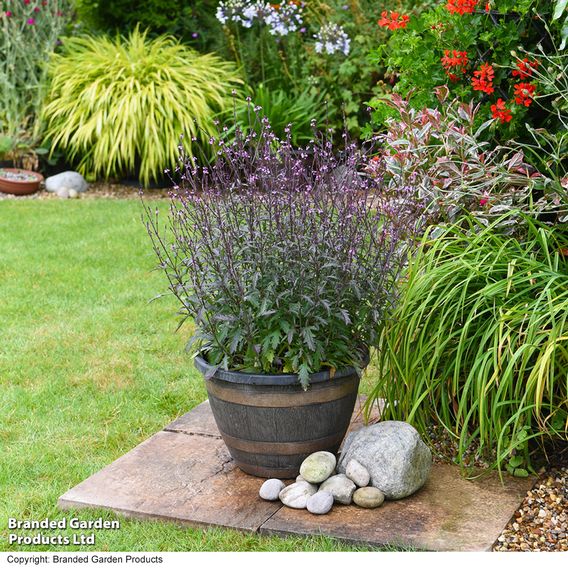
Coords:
pixel 331 39
pixel 281 19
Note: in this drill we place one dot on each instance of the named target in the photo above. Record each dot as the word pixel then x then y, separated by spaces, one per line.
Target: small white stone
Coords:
pixel 270 489
pixel 296 495
pixel 73 193
pixel 63 193
pixel 341 487
pixel 357 473
pixel 320 503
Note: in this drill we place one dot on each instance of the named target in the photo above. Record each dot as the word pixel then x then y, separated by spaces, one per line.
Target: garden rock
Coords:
pixel 341 487
pixel 318 467
pixel 296 495
pixel 397 459
pixel 320 503
pixel 63 193
pixel 66 180
pixel 270 489
pixel 368 497
pixel 357 473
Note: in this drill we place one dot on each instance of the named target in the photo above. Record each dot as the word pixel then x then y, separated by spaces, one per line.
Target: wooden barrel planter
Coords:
pixel 270 424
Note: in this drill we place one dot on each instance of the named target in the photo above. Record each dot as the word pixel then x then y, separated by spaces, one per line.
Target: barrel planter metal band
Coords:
pixel 270 428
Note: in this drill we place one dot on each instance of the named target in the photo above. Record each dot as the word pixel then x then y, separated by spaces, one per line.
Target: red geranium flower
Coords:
pixel 524 93
pixel 500 111
pixel 393 21
pixel 525 68
pixel 483 79
pixel 454 61
pixel 461 7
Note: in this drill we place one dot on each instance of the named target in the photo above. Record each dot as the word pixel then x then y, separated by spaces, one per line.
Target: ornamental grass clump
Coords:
pixel 478 344
pixel 287 259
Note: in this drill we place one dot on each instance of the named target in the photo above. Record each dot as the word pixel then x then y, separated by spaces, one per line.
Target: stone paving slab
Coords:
pixel 185 474
pixel 448 513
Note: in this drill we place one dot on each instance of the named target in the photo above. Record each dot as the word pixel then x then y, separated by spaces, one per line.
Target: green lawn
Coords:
pixel 89 368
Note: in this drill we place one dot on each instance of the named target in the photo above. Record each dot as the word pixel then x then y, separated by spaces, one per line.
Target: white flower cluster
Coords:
pixel 332 38
pixel 281 19
pixel 287 18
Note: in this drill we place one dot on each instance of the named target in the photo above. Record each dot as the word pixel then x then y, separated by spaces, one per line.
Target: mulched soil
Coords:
pixel 541 521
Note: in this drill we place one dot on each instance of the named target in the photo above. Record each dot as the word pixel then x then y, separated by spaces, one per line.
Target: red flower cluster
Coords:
pixel 461 7
pixel 524 93
pixel 525 68
pixel 483 79
pixel 454 61
pixel 393 21
pixel 500 111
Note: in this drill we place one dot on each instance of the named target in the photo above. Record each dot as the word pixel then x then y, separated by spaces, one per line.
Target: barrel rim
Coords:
pixel 239 377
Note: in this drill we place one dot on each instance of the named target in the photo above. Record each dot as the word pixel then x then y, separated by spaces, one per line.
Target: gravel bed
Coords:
pixel 541 522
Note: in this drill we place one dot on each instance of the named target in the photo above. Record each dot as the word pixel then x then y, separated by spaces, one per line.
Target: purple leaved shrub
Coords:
pixel 287 259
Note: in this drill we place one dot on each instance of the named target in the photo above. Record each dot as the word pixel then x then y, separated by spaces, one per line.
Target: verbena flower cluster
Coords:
pixel 286 259
pixel 281 19
pixel 332 38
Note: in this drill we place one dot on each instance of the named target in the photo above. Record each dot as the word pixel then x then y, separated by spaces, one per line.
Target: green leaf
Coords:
pixel 521 472
pixel 516 461
pixel 559 8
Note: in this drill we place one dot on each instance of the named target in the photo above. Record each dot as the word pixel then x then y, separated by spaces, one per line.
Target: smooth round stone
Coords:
pixel 357 473
pixel 341 487
pixel 300 478
pixel 66 180
pixel 318 467
pixel 320 503
pixel 270 489
pixel 73 193
pixel 368 497
pixel 63 193
pixel 296 495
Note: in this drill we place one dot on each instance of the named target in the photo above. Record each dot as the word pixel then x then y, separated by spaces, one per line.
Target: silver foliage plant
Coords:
pixel 287 259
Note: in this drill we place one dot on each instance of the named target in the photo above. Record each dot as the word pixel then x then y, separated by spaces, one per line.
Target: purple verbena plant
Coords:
pixel 287 259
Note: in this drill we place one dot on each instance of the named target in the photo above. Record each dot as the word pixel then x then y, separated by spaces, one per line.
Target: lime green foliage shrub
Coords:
pixel 120 105
pixel 479 341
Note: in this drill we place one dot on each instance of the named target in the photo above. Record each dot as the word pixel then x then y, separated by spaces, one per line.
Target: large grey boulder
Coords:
pixel 68 181
pixel 393 453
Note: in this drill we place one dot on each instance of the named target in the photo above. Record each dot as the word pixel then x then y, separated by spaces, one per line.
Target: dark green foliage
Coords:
pixel 286 259
pixel 192 21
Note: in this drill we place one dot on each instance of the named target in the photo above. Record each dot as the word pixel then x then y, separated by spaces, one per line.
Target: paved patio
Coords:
pixel 185 474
